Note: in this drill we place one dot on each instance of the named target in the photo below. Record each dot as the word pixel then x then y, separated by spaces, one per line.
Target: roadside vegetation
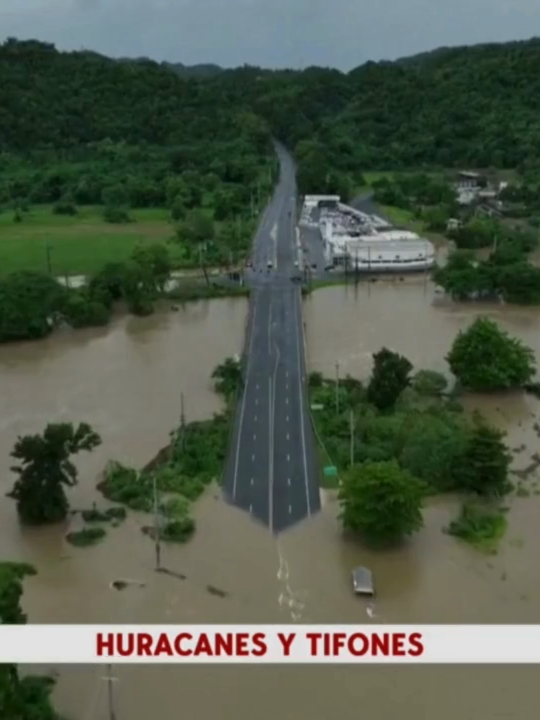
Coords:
pixel 404 436
pixel 181 472
pixel 28 697
pixel 32 304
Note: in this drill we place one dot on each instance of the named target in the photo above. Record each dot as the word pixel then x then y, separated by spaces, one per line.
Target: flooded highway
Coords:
pixel 126 381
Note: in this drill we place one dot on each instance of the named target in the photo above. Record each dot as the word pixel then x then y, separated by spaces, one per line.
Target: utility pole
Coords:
pixel 351 425
pixel 110 692
pixel 182 422
pixel 337 388
pixel 202 264
pixel 157 540
pixel 48 257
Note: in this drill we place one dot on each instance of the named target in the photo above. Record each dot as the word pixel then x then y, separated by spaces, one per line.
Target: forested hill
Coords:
pixel 470 106
pixel 56 99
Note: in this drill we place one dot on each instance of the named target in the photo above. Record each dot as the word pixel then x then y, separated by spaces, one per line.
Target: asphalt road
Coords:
pixel 271 470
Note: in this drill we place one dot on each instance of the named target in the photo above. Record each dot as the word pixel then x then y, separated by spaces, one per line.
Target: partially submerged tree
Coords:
pixel 45 469
pixel 25 698
pixel 227 376
pixel 389 378
pixel 381 502
pixel 484 465
pixel 484 357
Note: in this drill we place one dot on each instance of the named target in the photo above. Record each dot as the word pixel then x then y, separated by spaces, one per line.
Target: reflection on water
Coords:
pixel 126 381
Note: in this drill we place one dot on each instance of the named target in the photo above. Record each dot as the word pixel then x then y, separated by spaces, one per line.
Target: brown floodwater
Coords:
pixel 126 381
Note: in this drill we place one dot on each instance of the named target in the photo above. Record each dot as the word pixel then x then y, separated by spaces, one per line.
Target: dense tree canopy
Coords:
pixel 470 106
pixel 381 501
pixel 389 378
pixel 45 468
pixel 485 357
pixel 25 698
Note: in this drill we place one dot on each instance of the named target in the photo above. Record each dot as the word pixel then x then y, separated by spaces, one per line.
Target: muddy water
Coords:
pixel 127 381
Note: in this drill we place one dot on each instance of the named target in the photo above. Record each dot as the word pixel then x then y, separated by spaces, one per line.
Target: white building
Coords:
pixel 312 201
pixel 391 256
pixel 370 249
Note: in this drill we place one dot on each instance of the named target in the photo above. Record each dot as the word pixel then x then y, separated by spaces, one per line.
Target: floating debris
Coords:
pixel 123 584
pixel 216 591
pixel 172 573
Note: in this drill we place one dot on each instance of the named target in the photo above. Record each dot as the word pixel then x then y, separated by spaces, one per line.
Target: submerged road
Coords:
pixel 271 469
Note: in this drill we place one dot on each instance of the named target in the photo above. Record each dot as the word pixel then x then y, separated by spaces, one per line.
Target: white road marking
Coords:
pixel 271 460
pixel 257 386
pixel 290 509
pixel 256 401
pixel 287 418
pixel 253 457
pixel 288 436
pixel 235 478
pixel 287 401
pixel 255 418
pixel 289 482
pixel 254 436
pixel 301 400
pixel 251 508
pixel 251 481
pixel 288 458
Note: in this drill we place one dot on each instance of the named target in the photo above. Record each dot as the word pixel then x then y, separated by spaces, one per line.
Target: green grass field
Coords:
pixel 78 245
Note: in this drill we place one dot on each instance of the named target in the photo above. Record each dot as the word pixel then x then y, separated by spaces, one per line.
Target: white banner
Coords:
pixel 270 644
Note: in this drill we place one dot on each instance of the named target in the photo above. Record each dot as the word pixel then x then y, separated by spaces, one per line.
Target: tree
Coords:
pixel 115 196
pixel 196 228
pixel 484 357
pixel 381 502
pixel 27 698
pixel 484 464
pixel 156 259
pixel 45 468
pixel 227 377
pixel 28 302
pixel 178 209
pixel 390 376
pixel 429 383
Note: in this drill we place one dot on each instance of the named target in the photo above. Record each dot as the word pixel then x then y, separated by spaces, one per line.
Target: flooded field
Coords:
pixel 126 381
